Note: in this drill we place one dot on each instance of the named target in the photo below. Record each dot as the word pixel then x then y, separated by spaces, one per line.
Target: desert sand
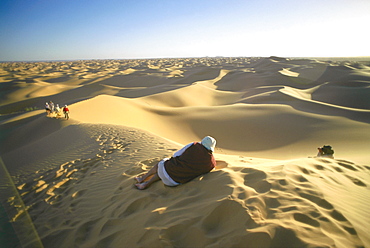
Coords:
pixel 70 183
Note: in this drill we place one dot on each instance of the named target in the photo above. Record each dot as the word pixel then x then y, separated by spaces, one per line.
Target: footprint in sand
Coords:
pixel 83 231
pixel 256 179
pixel 133 171
pixel 151 161
pixel 337 169
pixel 299 178
pixel 350 230
pixel 283 182
pixel 316 200
pixel 319 167
pixel 135 206
pixel 306 220
pixel 217 221
pixel 347 165
pixel 272 202
pixel 305 171
pixel 337 215
pixel 356 181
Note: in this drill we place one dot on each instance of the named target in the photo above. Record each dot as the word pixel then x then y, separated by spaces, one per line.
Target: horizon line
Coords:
pixel 288 57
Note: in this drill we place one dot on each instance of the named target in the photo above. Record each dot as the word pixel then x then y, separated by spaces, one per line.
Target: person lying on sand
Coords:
pixel 325 151
pixel 186 164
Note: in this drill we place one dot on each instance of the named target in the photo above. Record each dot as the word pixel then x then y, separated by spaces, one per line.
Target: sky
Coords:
pixel 33 30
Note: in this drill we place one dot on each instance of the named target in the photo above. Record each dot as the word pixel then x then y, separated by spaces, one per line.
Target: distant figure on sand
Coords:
pixel 186 164
pixel 57 110
pixel 51 105
pixel 325 151
pixel 66 112
pixel 47 108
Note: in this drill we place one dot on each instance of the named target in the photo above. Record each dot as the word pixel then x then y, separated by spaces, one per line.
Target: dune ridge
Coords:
pixel 268 115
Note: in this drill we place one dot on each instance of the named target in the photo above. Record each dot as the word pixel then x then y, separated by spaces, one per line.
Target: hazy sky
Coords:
pixel 105 29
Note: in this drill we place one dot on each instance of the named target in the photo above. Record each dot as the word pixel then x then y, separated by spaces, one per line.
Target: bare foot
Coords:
pixel 139 179
pixel 143 185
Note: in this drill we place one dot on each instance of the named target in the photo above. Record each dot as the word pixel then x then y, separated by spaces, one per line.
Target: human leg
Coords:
pixel 151 172
pixel 146 184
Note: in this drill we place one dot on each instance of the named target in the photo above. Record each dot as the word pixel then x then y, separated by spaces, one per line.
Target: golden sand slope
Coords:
pixel 76 176
pixel 84 196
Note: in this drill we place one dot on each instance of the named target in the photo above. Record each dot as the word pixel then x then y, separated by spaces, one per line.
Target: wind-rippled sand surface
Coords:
pixel 268 115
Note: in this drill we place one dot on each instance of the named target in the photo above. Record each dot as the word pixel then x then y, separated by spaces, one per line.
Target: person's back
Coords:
pixel 195 161
pixel 57 109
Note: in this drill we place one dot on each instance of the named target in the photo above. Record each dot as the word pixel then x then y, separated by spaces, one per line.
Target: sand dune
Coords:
pixel 268 115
